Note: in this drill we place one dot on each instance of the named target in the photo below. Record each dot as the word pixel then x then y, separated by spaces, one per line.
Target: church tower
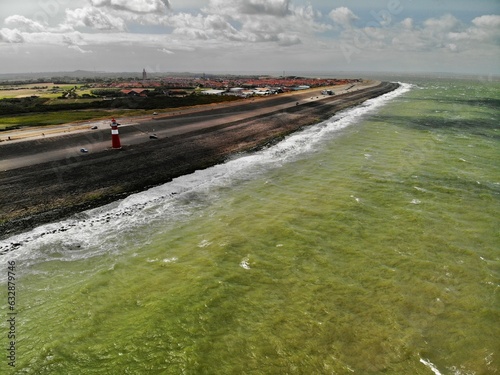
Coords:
pixel 144 75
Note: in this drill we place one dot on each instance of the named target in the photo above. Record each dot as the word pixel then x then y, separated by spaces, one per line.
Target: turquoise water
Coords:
pixel 365 244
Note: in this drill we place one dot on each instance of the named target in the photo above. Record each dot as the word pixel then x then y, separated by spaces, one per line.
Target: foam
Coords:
pixel 430 365
pixel 244 263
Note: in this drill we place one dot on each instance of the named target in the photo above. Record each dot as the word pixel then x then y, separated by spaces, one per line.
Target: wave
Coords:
pixel 109 228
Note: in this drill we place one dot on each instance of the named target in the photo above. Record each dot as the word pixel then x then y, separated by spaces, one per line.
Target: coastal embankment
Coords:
pixel 46 178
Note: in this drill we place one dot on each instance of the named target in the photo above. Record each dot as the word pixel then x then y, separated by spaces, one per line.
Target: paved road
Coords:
pixel 27 152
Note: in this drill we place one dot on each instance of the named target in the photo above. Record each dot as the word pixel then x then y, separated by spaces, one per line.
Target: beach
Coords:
pixel 52 180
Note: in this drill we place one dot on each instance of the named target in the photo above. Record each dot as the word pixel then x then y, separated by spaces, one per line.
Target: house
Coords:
pixel 135 92
pixel 213 92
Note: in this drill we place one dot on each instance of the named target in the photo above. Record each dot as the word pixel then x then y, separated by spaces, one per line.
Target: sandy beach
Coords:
pixel 46 178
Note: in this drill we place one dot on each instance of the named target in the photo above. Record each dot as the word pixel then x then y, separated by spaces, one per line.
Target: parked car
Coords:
pixel 84 150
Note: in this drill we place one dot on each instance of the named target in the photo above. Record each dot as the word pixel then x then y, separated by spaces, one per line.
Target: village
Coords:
pixel 241 86
pixel 172 85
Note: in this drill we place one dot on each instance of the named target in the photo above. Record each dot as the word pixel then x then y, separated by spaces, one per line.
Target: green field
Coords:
pixel 43 90
pixel 51 118
pixel 62 117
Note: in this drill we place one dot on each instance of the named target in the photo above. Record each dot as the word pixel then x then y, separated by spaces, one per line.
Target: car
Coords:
pixel 94 127
pixel 153 136
pixel 155 113
pixel 84 150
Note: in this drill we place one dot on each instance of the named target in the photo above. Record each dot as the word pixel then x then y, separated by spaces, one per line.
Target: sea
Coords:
pixel 364 244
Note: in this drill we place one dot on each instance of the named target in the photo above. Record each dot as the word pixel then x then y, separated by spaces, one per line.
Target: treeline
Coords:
pixel 13 106
pixel 9 106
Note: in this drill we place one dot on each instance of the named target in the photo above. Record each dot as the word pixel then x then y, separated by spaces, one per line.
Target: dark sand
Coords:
pixel 50 191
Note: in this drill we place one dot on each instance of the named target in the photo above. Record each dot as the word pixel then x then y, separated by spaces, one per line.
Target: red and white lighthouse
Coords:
pixel 115 138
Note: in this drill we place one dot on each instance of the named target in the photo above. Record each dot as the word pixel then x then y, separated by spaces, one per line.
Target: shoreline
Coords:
pixel 53 190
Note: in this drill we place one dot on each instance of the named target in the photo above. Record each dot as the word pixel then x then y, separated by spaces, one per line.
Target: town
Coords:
pixel 115 85
pixel 63 98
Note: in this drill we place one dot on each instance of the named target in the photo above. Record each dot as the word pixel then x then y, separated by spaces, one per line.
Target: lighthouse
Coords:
pixel 115 137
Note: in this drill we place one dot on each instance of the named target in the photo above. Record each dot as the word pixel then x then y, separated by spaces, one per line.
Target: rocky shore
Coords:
pixel 50 191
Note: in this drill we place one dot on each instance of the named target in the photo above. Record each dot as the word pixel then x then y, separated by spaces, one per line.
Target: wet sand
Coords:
pixel 45 179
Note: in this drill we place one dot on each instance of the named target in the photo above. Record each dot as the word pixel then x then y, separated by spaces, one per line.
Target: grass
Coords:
pixel 18 91
pixel 56 100
pixel 62 117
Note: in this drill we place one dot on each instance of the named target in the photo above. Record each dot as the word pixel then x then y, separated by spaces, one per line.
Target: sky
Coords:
pixel 454 36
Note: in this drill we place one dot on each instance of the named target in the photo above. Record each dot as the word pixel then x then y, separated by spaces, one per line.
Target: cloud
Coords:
pixel 407 23
pixel 202 27
pixel 24 24
pixel 261 21
pixel 288 40
pixel 484 29
pixel 286 32
pixel 93 18
pixel 236 23
pixel 134 6
pixel 487 21
pixel 255 21
pixel 11 36
pixel 439 37
pixel 275 8
pixel 442 24
pixel 79 49
pixel 343 16
pixel 167 51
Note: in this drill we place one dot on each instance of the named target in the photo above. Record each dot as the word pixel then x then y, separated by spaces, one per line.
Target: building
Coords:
pixel 135 92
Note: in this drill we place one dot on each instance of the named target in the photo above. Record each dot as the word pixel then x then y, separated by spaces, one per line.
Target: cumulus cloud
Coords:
pixel 202 27
pixel 236 22
pixel 251 21
pixel 445 34
pixel 442 24
pixel 24 24
pixel 276 8
pixel 135 6
pixel 11 36
pixel 93 18
pixel 288 40
pixel 487 21
pixel 407 23
pixel 484 29
pixel 343 16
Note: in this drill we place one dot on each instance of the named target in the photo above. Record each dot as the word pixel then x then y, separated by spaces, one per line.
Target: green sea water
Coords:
pixel 367 244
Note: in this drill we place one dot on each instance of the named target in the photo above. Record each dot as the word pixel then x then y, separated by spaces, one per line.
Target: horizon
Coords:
pixel 26 76
pixel 385 36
